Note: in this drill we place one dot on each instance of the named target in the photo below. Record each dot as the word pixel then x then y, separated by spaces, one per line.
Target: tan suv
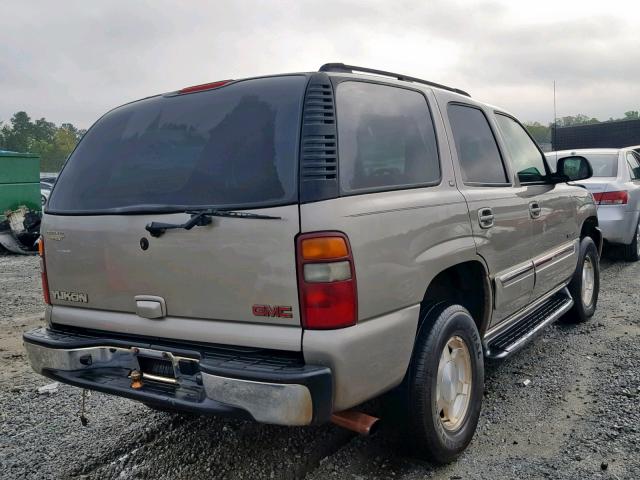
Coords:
pixel 285 248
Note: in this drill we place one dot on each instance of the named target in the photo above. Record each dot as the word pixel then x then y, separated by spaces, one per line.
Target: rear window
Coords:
pixel 386 138
pixel 603 164
pixel 235 146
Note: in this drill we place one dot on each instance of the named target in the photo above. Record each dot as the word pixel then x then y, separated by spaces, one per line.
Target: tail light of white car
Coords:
pixel 611 198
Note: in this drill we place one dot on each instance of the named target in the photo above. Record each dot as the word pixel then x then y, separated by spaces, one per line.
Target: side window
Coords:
pixel 634 166
pixel 386 138
pixel 478 152
pixel 525 156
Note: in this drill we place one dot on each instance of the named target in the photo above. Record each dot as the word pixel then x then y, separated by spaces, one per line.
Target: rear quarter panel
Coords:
pixel 400 240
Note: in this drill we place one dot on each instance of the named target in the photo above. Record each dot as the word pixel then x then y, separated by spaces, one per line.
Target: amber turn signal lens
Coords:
pixel 324 248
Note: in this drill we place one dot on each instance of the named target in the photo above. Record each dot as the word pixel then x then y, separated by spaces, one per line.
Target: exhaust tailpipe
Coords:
pixel 358 422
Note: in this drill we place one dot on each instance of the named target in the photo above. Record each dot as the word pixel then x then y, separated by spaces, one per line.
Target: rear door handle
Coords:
pixel 534 209
pixel 485 217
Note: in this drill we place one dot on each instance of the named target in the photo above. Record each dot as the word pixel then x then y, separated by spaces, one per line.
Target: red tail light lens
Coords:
pixel 326 280
pixel 43 272
pixel 611 198
pixel 204 86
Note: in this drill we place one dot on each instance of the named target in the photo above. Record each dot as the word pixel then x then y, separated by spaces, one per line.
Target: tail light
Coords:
pixel 43 272
pixel 327 281
pixel 611 198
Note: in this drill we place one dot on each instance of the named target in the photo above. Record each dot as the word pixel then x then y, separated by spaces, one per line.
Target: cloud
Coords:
pixel 72 61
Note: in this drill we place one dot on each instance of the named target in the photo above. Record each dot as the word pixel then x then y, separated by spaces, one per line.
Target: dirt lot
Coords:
pixel 578 418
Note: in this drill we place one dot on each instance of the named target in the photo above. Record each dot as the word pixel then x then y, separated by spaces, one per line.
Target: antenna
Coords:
pixel 555 123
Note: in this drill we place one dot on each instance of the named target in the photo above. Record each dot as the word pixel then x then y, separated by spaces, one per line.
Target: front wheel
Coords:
pixel 445 384
pixel 585 284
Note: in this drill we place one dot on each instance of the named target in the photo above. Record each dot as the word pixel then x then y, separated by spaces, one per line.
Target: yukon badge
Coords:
pixel 53 235
pixel 79 297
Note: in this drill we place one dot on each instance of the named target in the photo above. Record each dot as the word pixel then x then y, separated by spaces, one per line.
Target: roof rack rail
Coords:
pixel 341 67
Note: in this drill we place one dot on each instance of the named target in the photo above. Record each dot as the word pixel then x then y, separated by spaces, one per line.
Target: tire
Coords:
pixel 433 435
pixel 584 306
pixel 631 252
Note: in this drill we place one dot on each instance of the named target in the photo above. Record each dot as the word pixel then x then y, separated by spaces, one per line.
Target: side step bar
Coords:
pixel 502 342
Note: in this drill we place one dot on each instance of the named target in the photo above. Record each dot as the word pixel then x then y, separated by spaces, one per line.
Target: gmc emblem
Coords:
pixel 281 311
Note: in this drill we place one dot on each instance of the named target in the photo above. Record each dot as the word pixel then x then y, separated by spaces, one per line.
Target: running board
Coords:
pixel 518 333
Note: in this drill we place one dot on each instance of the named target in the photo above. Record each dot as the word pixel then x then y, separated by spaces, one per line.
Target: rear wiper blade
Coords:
pixel 200 218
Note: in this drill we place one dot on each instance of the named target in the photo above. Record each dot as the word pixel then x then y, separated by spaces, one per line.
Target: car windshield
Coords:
pixel 235 146
pixel 603 164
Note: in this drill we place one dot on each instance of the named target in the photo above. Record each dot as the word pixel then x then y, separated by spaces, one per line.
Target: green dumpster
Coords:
pixel 20 205
pixel 19 181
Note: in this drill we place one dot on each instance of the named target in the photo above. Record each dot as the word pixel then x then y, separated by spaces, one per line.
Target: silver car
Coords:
pixel 615 186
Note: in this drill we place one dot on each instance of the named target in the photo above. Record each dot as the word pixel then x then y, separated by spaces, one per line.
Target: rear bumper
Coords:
pixel 617 223
pixel 242 383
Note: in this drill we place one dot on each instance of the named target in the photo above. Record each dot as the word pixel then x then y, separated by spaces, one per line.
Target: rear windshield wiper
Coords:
pixel 200 218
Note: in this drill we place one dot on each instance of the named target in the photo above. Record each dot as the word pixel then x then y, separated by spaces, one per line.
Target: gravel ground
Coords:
pixel 578 418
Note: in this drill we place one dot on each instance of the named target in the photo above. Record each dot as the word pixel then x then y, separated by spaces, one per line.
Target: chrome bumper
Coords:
pixel 106 368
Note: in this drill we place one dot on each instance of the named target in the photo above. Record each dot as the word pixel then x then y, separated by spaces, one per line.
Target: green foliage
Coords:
pixel 579 119
pixel 52 143
pixel 540 133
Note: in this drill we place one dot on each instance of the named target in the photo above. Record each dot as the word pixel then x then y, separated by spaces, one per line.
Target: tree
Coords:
pixel 579 119
pixel 52 143
pixel 632 115
pixel 540 133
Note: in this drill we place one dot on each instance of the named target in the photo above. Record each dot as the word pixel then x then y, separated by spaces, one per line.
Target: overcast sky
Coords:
pixel 70 61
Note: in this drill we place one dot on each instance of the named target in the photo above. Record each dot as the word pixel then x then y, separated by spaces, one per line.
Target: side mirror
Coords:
pixel 574 168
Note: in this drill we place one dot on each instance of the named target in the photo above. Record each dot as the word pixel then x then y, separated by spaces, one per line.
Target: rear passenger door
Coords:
pixel 499 214
pixel 552 207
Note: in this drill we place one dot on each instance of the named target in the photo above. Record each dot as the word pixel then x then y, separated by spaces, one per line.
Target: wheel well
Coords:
pixel 466 284
pixel 590 229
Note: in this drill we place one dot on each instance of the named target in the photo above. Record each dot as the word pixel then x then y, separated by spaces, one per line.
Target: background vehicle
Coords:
pixel 285 248
pixel 46 185
pixel 615 186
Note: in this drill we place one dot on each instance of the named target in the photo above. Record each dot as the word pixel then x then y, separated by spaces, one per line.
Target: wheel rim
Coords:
pixel 453 391
pixel 588 281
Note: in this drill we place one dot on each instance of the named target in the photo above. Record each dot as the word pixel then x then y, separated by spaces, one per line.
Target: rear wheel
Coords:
pixel 585 284
pixel 632 251
pixel 445 384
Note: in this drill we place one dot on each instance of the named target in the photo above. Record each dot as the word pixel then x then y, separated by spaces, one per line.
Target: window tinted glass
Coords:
pixel 478 152
pixel 386 137
pixel 634 166
pixel 526 158
pixel 236 145
pixel 603 164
